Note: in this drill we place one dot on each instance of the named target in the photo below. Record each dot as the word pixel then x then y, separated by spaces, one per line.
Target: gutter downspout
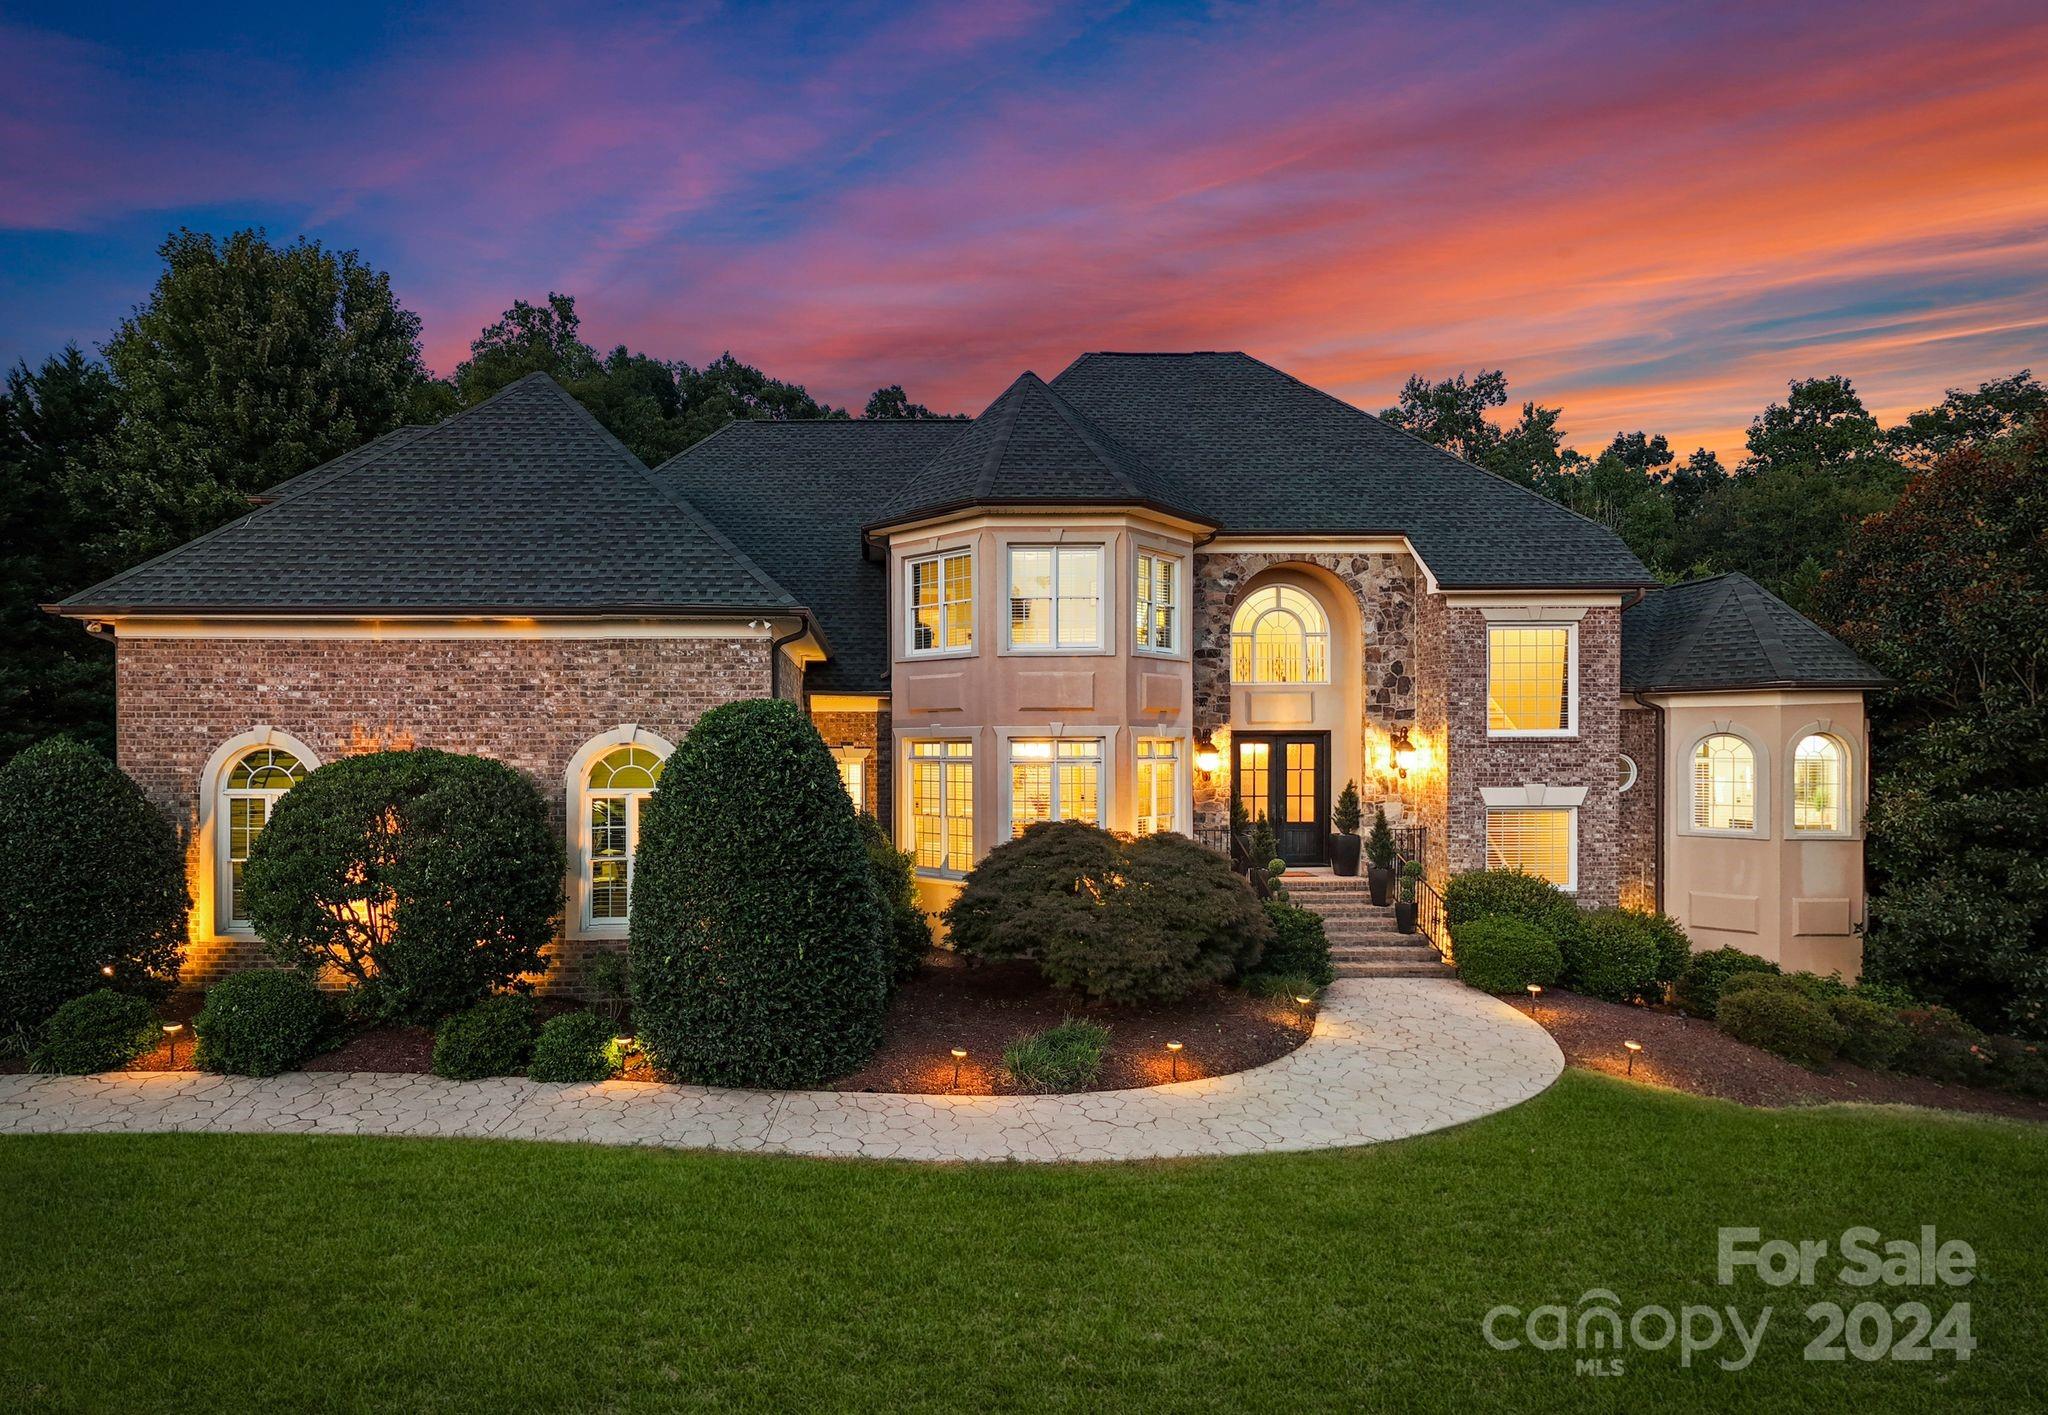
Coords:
pixel 775 647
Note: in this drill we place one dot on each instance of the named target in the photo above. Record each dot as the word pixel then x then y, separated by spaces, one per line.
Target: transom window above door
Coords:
pixel 1279 635
pixel 1056 597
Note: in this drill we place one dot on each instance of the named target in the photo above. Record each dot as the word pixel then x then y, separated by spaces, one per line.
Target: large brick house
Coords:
pixel 1155 585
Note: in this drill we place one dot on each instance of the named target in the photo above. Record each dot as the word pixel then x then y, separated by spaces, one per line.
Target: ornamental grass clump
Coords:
pixel 1063 1058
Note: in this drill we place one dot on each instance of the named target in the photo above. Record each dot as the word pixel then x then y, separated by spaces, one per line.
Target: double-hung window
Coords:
pixel 1158 603
pixel 942 603
pixel 942 805
pixel 1538 841
pixel 249 793
pixel 1820 776
pixel 1531 687
pixel 1055 779
pixel 1056 597
pixel 1158 784
pixel 1724 786
pixel 615 788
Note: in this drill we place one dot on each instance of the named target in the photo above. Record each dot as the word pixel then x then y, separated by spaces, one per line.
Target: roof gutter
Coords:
pixel 804 627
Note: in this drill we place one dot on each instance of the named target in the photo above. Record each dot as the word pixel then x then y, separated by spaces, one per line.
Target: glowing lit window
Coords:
pixel 1819 778
pixel 249 794
pixel 1055 780
pixel 942 806
pixel 1724 785
pixel 1056 597
pixel 614 789
pixel 853 774
pixel 1158 603
pixel 1529 687
pixel 1279 635
pixel 1535 841
pixel 1158 784
pixel 942 603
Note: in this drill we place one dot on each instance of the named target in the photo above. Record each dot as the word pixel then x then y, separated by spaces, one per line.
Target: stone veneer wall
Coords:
pixel 870 730
pixel 529 702
pixel 1588 760
pixel 1641 828
pixel 1432 722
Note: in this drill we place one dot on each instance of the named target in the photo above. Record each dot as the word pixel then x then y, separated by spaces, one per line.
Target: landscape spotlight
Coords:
pixel 1173 1051
pixel 1633 1048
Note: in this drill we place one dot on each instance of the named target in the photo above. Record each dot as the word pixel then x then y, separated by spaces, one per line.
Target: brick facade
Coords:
pixel 1641 823
pixel 529 702
pixel 869 730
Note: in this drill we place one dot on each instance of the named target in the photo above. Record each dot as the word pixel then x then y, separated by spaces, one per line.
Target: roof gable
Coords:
pixel 1730 632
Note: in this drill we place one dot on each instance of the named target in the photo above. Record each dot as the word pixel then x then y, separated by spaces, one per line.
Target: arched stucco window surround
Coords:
pixel 216 851
pixel 1723 768
pixel 582 798
pixel 1847 781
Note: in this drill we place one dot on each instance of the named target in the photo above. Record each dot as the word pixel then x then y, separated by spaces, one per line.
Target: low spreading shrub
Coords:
pixel 1943 1047
pixel 576 1046
pixel 910 935
pixel 1613 955
pixel 91 877
pixel 1299 947
pixel 1811 986
pixel 1782 1021
pixel 1063 1058
pixel 1698 989
pixel 1872 1034
pixel 1502 954
pixel 2018 1066
pixel 1511 894
pixel 259 1023
pixel 493 1038
pixel 1891 995
pixel 100 1031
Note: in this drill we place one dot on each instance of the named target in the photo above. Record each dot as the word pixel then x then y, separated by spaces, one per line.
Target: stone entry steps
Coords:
pixel 1363 940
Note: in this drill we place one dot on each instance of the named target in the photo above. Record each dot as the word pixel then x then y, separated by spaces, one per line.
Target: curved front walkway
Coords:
pixel 1389 1058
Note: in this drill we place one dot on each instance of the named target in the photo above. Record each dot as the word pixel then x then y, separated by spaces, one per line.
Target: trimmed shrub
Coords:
pixel 493 1038
pixel 1299 947
pixel 910 937
pixel 1811 986
pixel 1613 955
pixel 1698 989
pixel 91 877
pixel 1674 948
pixel 760 944
pixel 1063 1058
pixel 576 1046
pixel 100 1031
pixel 259 1023
pixel 1943 1047
pixel 1511 894
pixel 1123 921
pixel 428 879
pixel 1890 995
pixel 1872 1034
pixel 2018 1066
pixel 1783 1022
pixel 1503 954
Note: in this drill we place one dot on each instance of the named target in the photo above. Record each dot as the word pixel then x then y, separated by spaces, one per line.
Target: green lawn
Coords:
pixel 200 1273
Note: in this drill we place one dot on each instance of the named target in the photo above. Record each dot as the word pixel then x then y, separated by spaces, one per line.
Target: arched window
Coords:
pixel 1724 785
pixel 1279 635
pixel 1625 765
pixel 249 790
pixel 1820 778
pixel 614 788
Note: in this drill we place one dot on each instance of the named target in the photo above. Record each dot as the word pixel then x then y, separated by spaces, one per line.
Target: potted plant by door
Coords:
pixel 1380 851
pixel 1405 907
pixel 1344 845
pixel 1264 847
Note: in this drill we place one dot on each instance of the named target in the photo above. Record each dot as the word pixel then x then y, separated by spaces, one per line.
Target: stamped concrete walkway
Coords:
pixel 1389 1058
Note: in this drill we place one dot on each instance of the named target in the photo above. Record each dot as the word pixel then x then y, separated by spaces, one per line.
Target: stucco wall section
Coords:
pixel 1640 887
pixel 531 703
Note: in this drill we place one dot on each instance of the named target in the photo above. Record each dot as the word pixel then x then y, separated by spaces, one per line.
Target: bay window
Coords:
pixel 942 806
pixel 1055 597
pixel 941 603
pixel 1055 779
pixel 1158 603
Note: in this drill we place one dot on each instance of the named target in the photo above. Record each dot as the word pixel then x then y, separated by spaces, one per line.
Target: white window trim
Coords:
pixel 576 779
pixel 1554 802
pixel 857 756
pixel 941 555
pixel 1635 773
pixel 1104 597
pixel 1762 829
pixel 1180 599
pixel 1183 778
pixel 1571 679
pixel 906 800
pixel 1057 732
pixel 1852 783
pixel 213 821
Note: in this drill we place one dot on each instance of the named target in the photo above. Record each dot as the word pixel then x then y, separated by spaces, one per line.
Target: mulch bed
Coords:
pixel 1689 1054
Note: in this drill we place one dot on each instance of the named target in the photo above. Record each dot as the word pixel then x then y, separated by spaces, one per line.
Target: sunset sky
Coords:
pixel 1653 215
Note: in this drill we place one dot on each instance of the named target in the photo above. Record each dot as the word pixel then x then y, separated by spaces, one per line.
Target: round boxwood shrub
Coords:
pixel 91 877
pixel 910 937
pixel 1674 948
pixel 1300 948
pixel 1612 955
pixel 760 945
pixel 428 879
pixel 1502 954
pixel 1782 1021
pixel 1511 894
pixel 100 1031
pixel 493 1038
pixel 576 1046
pixel 259 1023
pixel 1698 989
pixel 1872 1034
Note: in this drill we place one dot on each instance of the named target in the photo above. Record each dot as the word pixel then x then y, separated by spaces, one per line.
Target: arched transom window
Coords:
pixel 1724 784
pixel 1279 635
pixel 1819 777
pixel 616 786
pixel 249 792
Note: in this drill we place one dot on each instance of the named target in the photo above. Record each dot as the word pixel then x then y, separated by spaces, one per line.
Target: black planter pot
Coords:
pixel 1381 881
pixel 1404 916
pixel 1344 854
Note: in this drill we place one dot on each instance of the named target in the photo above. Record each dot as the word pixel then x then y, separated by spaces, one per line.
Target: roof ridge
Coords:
pixel 1097 439
pixel 1009 400
pixel 333 465
pixel 1683 648
pixel 1763 624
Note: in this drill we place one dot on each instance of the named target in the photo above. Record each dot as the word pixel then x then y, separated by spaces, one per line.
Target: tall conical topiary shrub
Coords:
pixel 759 941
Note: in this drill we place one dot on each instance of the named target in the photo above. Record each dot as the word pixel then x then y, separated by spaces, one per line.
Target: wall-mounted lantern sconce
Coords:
pixel 1207 757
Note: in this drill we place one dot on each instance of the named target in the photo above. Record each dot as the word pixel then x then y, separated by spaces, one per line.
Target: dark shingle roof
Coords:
pixel 1731 632
pixel 522 504
pixel 1031 446
pixel 1252 449
pixel 795 495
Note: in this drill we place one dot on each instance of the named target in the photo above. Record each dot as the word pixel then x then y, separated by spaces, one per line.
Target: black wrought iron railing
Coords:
pixel 1411 845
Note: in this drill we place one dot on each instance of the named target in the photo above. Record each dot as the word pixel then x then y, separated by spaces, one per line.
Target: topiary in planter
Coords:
pixel 91 877
pixel 576 1046
pixel 1300 948
pixel 100 1031
pixel 493 1038
pixel 428 879
pixel 760 944
pixel 1698 989
pixel 259 1023
pixel 910 937
pixel 1613 956
pixel 1783 1022
pixel 1501 954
